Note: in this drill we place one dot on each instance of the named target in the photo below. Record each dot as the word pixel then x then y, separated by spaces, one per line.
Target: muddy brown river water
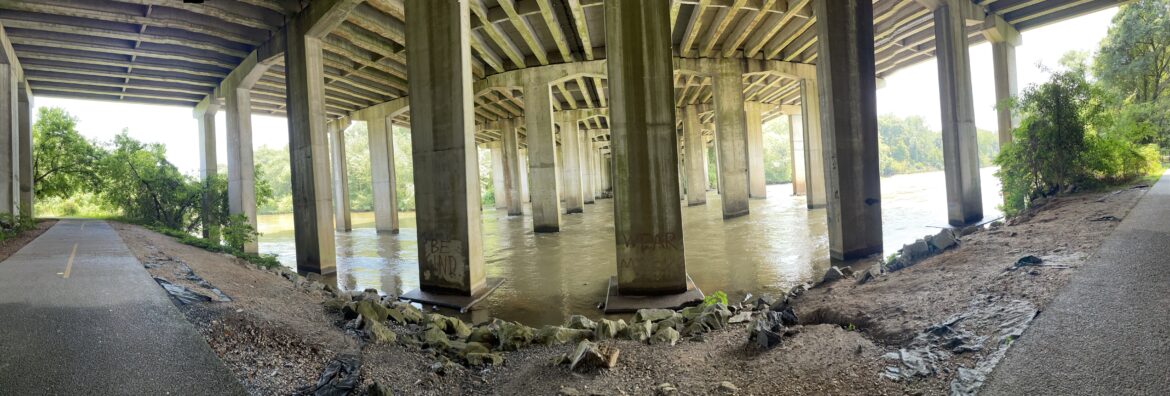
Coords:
pixel 551 276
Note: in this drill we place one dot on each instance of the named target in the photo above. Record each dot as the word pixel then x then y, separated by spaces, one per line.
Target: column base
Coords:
pixel 728 216
pixel 546 229
pixel 453 301
pixel 619 303
pixel 697 204
pixel 963 223
pixel 387 232
pixel 574 211
pixel 818 206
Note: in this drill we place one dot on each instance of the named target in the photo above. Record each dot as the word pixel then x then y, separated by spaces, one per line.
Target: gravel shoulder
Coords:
pixel 278 334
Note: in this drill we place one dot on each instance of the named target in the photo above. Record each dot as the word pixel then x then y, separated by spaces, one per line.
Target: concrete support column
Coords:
pixel 796 144
pixel 512 170
pixel 587 166
pixel 1004 38
pixel 960 146
pixel 571 173
pixel 845 72
pixel 341 206
pixel 696 157
pixel 731 137
pixel 382 174
pixel 647 208
pixel 241 169
pixel 499 187
pixel 205 117
pixel 606 175
pixel 24 110
pixel 524 197
pixel 815 149
pixel 1004 56
pixel 9 141
pixel 543 177
pixel 446 170
pixel 757 186
pixel 309 155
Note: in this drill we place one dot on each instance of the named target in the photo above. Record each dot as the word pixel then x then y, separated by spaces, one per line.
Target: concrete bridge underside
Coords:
pixel 574 97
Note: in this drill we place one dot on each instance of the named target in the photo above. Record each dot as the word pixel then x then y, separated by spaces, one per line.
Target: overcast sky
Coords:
pixel 910 91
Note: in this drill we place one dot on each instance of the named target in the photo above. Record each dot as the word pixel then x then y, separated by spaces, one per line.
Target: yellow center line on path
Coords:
pixel 69 267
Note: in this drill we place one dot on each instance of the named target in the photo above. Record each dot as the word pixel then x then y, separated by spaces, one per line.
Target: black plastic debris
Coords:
pixel 339 378
pixel 181 294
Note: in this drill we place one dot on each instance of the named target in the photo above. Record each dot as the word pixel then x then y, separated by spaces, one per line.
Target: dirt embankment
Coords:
pixel 10 246
pixel 855 338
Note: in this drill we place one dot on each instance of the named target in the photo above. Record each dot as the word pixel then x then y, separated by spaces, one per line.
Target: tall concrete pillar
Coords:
pixel 757 184
pixel 708 148
pixel 586 162
pixel 309 155
pixel 571 173
pixel 543 177
pixel 606 172
pixel 524 197
pixel 9 141
pixel 815 151
pixel 960 145
pixel 731 137
pixel 25 154
pixel 446 170
pixel 845 72
pixel 696 157
pixel 341 207
pixel 796 146
pixel 241 168
pixel 205 117
pixel 1004 38
pixel 382 174
pixel 647 209
pixel 499 187
pixel 511 151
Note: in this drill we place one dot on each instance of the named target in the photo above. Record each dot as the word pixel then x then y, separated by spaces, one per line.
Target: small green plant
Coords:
pixel 718 297
pixel 850 327
pixel 238 232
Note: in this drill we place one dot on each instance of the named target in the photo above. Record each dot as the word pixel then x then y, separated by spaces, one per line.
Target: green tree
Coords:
pixel 63 160
pixel 1134 58
pixel 403 169
pixel 138 179
pixel 777 153
pixel 357 158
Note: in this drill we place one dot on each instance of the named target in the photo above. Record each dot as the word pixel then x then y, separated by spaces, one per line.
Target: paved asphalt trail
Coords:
pixel 1108 331
pixel 107 328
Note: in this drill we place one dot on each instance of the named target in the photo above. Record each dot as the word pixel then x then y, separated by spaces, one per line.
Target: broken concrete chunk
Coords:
pixel 608 329
pixel 513 336
pixel 653 315
pixel 944 240
pixel 555 335
pixel 832 275
pixel 665 335
pixel 580 322
pixel 640 331
pixel 377 332
pixel 590 355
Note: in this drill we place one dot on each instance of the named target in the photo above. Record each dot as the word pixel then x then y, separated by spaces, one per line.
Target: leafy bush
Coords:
pixel 718 297
pixel 1059 145
pixel 237 232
